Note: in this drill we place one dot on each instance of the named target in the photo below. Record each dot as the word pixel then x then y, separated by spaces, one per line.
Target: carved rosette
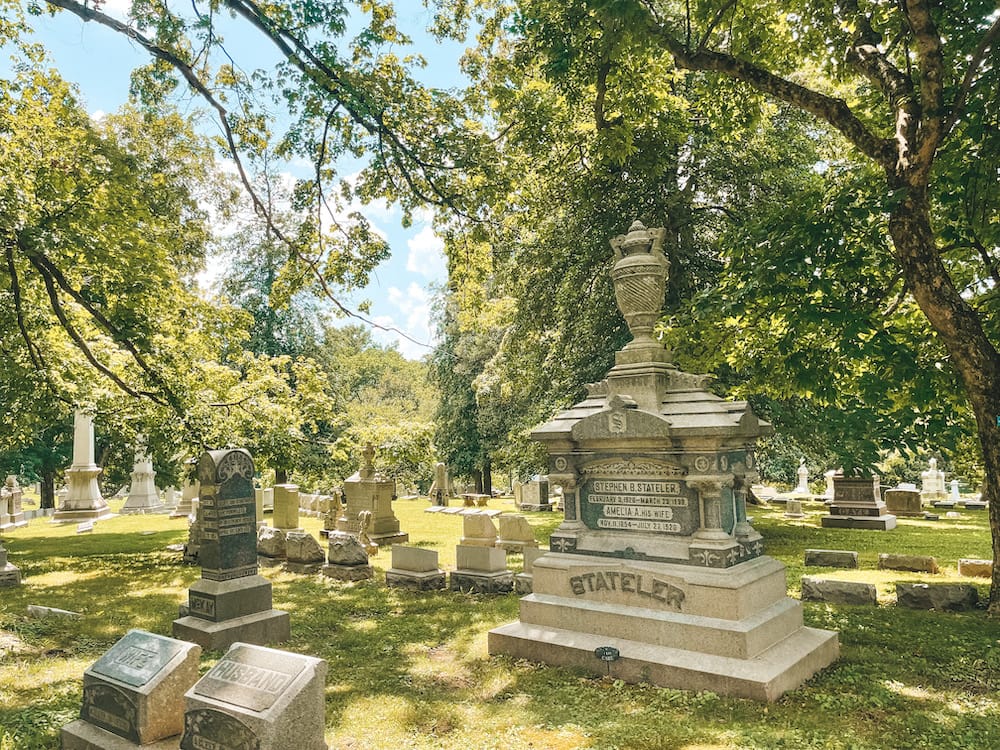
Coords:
pixel 640 276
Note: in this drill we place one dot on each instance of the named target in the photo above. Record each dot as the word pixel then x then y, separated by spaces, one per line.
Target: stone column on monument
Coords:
pixel 710 497
pixel 83 500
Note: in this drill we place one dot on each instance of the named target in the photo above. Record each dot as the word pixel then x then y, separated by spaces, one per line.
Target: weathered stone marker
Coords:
pixel 655 556
pixel 231 602
pixel 134 695
pixel 857 504
pixel 10 574
pixel 367 490
pixel 257 698
pixel 414 568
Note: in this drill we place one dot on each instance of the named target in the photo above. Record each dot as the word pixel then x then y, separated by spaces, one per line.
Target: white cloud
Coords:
pixel 414 305
pixel 426 254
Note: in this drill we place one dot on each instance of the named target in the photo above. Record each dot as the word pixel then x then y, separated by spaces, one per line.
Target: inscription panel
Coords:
pixel 664 506
pixel 250 678
pixel 207 729
pixel 645 588
pixel 112 709
pixel 137 658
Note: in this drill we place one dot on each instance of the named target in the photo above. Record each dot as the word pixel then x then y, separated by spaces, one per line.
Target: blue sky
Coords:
pixel 99 61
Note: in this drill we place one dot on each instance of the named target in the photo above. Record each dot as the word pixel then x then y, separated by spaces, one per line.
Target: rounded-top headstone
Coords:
pixel 219 466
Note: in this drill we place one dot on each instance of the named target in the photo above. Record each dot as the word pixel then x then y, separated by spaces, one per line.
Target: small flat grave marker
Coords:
pixel 250 678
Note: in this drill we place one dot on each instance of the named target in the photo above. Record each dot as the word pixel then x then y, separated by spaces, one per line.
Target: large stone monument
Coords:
pixel 932 483
pixel 857 504
pixel 655 574
pixel 133 696
pixel 368 490
pixel 83 501
pixel 143 497
pixel 257 699
pixel 231 602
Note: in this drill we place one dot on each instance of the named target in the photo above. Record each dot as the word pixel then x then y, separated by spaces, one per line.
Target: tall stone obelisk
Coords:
pixel 83 498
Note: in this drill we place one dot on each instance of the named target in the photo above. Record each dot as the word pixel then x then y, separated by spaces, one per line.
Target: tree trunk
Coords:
pixel 973 355
pixel 281 476
pixel 477 479
pixel 487 477
pixel 47 490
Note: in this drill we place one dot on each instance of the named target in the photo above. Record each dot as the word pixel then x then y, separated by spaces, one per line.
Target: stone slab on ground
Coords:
pixel 79 735
pixel 975 568
pixel 950 596
pixel 838 592
pixel 781 668
pixel 831 558
pixel 348 572
pixel 912 563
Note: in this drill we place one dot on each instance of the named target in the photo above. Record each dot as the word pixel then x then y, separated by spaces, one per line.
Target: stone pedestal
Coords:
pixel 143 497
pixel 367 490
pixel 932 483
pixel 414 568
pixel 257 698
pixel 133 695
pixel 481 570
pixel 10 575
pixel 903 501
pixel 286 506
pixel 231 602
pixel 655 557
pixel 857 505
pixel 83 501
pixel 189 493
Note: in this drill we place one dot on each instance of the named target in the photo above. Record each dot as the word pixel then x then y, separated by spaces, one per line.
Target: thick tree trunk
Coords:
pixel 477 479
pixel 973 355
pixel 281 476
pixel 47 490
pixel 487 476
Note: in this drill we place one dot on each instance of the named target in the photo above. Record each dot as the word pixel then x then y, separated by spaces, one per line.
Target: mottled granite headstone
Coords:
pixel 257 698
pixel 231 602
pixel 133 694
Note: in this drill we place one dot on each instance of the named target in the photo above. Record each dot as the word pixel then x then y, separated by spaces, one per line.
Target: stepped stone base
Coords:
pixel 79 516
pixel 766 677
pixel 432 580
pixel 877 523
pixel 83 736
pixel 261 628
pixel 481 582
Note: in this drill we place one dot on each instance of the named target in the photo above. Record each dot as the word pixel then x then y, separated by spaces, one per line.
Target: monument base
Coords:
pixel 270 626
pixel 81 735
pixel 82 515
pixel 766 677
pixel 302 568
pixel 431 580
pixel 143 510
pixel 348 572
pixel 733 631
pixel 877 523
pixel 10 575
pixel 536 508
pixel 387 540
pixel 523 583
pixel 516 545
pixel 481 582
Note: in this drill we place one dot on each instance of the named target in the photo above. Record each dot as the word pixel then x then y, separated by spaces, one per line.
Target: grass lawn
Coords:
pixel 410 670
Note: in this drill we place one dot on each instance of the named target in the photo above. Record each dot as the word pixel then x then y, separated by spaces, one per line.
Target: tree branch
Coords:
pixel 931 65
pixel 984 46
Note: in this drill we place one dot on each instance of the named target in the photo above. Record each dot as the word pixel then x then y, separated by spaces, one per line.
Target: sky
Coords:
pixel 99 61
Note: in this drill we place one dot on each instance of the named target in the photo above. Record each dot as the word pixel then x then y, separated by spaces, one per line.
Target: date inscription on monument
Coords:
pixel 651 505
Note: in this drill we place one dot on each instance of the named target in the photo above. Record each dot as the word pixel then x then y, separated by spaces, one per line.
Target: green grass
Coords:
pixel 410 670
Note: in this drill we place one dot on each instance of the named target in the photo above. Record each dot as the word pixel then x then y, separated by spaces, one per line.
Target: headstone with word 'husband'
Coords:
pixel 656 559
pixel 231 602
pixel 257 698
pixel 133 696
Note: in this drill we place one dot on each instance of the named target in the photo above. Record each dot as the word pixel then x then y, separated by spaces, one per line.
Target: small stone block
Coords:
pixel 912 563
pixel 832 558
pixel 931 516
pixel 482 559
pixel 414 559
pixel 940 596
pixel 523 583
pixel 39 612
pixel 348 572
pixel 530 555
pixel 975 568
pixel 10 575
pixel 838 592
pixel 482 583
pixel 407 579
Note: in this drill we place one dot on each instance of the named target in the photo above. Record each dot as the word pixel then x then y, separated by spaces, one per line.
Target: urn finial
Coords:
pixel 640 277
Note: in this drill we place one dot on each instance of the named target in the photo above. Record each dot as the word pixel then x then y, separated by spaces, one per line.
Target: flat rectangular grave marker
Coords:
pixel 249 677
pixel 137 658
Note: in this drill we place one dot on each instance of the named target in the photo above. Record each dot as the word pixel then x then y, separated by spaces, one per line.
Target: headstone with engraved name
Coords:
pixel 257 698
pixel 133 696
pixel 655 556
pixel 857 504
pixel 231 602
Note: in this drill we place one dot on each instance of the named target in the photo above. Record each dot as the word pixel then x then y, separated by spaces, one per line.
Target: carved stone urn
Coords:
pixel 640 277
